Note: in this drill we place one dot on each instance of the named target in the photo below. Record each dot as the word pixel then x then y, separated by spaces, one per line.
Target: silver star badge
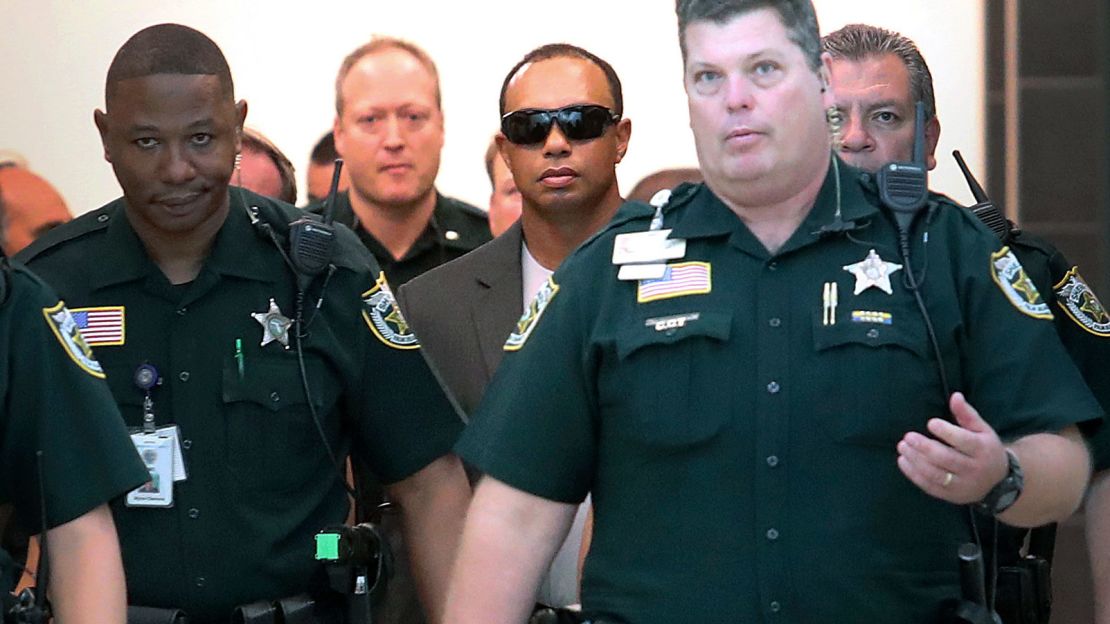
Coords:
pixel 275 325
pixel 872 271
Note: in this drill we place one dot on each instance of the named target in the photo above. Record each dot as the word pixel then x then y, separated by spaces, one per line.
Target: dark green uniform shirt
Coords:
pixel 55 400
pixel 260 482
pixel 1082 322
pixel 738 434
pixel 455 228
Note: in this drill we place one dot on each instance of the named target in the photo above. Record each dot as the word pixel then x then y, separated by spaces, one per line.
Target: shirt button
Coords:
pixel 772 266
pixel 775 606
pixel 772 534
pixel 186 444
pixel 872 333
pixel 183 375
pixel 199 581
pixel 775 322
pixel 772 460
pixel 181 311
pixel 102 218
pixel 451 235
pixel 194 513
pixel 773 387
pixel 275 397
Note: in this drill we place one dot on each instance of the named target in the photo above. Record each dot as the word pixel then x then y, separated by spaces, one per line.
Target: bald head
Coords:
pixel 29 207
pixel 168 49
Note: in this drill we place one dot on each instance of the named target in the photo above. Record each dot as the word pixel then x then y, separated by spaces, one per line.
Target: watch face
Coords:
pixel 1006 500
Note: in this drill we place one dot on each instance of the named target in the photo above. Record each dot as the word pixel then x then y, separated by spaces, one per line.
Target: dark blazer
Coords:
pixel 463 312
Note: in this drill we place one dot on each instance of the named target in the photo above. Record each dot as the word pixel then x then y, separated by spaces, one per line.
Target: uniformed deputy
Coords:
pixel 55 401
pixel 193 309
pixel 389 132
pixel 745 381
pixel 877 77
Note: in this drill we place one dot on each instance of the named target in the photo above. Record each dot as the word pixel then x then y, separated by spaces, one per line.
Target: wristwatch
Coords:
pixel 1003 495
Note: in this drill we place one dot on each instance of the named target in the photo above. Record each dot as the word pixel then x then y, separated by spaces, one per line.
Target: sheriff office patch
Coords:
pixel 531 315
pixel 1081 305
pixel 1011 278
pixel 384 319
pixel 69 335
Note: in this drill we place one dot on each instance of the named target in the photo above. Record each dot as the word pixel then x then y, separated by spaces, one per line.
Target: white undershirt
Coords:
pixel 533 275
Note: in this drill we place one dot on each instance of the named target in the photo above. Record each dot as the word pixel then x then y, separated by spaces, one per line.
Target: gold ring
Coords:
pixel 948 476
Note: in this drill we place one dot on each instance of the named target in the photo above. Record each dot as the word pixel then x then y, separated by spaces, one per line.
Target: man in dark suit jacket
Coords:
pixel 562 136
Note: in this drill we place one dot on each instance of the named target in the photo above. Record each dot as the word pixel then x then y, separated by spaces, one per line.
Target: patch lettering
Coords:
pixel 1013 281
pixel 532 315
pixel 667 323
pixel 1081 304
pixel 383 317
pixel 69 335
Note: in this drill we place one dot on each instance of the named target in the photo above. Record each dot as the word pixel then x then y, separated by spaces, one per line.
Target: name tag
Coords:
pixel 651 246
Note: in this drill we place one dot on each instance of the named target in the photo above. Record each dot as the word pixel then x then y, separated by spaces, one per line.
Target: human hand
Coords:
pixel 962 464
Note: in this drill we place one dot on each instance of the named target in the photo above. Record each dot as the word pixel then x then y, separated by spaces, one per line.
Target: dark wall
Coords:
pixel 1064 176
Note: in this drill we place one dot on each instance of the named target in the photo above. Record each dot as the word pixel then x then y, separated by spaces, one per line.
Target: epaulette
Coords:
pixel 84 225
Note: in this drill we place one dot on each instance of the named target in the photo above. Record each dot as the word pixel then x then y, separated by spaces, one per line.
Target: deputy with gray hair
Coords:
pixel 745 381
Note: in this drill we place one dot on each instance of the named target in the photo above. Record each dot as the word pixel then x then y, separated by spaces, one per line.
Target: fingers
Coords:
pixel 966 415
pixel 936 468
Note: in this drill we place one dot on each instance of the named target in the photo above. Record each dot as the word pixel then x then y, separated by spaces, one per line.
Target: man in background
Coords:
pixel 29 207
pixel 504 197
pixel 264 169
pixel 389 132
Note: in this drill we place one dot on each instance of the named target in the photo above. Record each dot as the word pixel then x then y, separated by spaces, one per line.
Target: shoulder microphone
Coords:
pixel 904 186
pixel 311 241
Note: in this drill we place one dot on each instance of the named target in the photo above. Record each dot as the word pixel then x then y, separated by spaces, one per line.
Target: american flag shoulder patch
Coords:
pixel 679 280
pixel 101 326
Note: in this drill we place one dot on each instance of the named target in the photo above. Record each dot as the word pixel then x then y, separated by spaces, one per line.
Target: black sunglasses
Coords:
pixel 580 122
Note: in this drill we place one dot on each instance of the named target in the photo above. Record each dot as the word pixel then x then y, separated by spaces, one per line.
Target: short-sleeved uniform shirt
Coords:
pixel 455 228
pixel 55 401
pixel 736 419
pixel 260 480
pixel 1082 322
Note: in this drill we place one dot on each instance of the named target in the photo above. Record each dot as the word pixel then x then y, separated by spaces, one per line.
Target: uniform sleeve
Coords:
pixel 1021 378
pixel 57 401
pixel 535 427
pixel 406 418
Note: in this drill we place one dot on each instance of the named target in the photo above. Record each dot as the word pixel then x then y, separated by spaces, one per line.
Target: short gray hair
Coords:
pixel 856 42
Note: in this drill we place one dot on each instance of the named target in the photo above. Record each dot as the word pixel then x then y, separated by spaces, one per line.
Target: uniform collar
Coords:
pixel 236 251
pixel 709 216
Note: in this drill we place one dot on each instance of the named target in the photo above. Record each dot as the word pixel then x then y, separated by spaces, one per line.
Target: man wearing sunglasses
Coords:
pixel 758 449
pixel 562 135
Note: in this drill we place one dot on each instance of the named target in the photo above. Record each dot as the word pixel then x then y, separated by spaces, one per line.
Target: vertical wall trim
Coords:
pixel 1012 87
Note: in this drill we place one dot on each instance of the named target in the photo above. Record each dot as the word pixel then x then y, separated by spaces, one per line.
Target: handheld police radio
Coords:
pixel 904 186
pixel 984 208
pixel 311 241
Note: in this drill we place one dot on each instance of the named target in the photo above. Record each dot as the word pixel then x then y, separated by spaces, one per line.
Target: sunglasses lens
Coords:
pixel 526 127
pixel 582 123
pixel 578 123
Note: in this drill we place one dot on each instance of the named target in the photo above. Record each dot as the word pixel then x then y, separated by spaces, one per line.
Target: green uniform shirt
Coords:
pixel 55 400
pixel 260 482
pixel 1082 322
pixel 737 430
pixel 455 228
